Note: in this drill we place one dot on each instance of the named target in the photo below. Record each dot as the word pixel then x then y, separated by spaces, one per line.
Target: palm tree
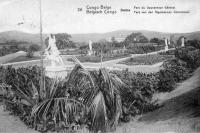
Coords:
pixel 101 93
pixel 95 96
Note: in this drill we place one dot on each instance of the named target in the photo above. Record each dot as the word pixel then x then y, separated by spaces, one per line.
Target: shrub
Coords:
pixel 142 87
pixel 96 95
pixel 29 54
pixel 194 43
pixel 143 49
pixel 136 37
pixel 173 71
pixel 32 48
pixel 190 55
pixel 187 59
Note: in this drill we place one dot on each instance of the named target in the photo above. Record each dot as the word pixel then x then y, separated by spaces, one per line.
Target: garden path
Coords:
pixel 11 124
pixel 111 64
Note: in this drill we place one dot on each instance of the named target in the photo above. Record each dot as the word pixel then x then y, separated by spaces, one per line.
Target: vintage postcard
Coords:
pixel 100 66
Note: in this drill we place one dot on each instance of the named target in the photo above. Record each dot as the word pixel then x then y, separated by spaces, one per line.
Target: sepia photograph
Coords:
pixel 99 66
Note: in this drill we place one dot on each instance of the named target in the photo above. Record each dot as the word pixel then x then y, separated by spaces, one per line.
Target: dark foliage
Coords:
pixel 157 41
pixel 11 49
pixel 32 48
pixel 146 59
pixel 187 59
pixel 136 38
pixel 190 55
pixel 173 72
pixel 102 94
pixel 194 43
pixel 142 87
pixel 97 99
pixel 63 41
pixel 142 49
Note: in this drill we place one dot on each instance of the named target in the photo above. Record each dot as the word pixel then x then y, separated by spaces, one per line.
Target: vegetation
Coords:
pixel 23 58
pixel 157 41
pixel 193 43
pixel 169 52
pixel 70 52
pixel 95 100
pixel 136 43
pixel 104 47
pixel 12 46
pixel 146 59
pixel 87 58
pixel 63 41
pixel 176 70
pixel 136 38
pixel 32 48
pixel 143 48
pixel 96 95
pixel 97 59
pixel 189 55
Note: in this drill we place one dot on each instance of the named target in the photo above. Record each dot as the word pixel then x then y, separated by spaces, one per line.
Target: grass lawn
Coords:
pixel 146 59
pixel 72 52
pixel 169 52
pixel 23 58
pixel 96 59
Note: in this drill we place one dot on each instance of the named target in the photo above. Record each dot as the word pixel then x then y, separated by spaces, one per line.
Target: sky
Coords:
pixel 62 16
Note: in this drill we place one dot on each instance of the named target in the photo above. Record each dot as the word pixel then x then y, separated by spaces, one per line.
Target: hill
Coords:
pixel 19 36
pixel 35 38
pixel 124 33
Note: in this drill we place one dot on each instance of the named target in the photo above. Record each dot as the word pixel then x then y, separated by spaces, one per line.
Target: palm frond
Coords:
pixel 98 113
pixel 120 87
pixel 35 92
pixel 52 89
pixel 107 82
pixel 60 109
pixel 27 97
pixel 79 70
